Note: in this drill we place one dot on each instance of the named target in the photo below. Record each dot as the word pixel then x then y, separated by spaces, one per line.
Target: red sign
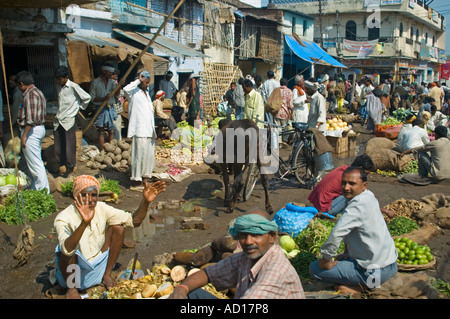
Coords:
pixel 445 71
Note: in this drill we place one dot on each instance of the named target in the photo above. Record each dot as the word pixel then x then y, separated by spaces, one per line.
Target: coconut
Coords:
pixel 178 273
pixel 193 271
pixel 163 290
pixel 149 290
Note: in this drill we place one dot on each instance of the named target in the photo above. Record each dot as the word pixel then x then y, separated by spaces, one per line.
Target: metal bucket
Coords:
pixel 324 162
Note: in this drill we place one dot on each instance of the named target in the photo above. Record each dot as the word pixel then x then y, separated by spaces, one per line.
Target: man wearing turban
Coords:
pixel 91 234
pixel 260 270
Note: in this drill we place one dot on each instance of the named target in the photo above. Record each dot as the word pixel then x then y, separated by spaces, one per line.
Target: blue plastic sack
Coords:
pixel 293 219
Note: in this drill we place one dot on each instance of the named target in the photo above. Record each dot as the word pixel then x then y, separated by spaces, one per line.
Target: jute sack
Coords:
pixel 384 159
pixel 274 102
pixel 377 143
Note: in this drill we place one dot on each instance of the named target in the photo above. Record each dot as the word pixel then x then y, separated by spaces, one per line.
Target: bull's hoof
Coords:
pixel 269 209
pixel 229 210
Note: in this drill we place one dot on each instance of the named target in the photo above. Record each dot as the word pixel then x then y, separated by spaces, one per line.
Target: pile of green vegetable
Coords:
pixel 106 185
pixel 401 113
pixel 301 263
pixel 36 204
pixel 401 225
pixel 411 253
pixel 412 167
pixel 391 121
pixel 315 235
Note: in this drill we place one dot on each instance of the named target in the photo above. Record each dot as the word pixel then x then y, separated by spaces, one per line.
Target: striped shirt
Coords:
pixel 271 277
pixel 33 109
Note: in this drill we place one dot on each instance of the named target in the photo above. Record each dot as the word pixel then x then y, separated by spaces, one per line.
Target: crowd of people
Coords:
pixel 90 233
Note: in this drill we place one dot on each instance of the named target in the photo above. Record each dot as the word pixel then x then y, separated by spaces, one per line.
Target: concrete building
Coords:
pixel 403 38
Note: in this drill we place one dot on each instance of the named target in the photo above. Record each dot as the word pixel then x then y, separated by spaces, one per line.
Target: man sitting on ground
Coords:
pixel 327 195
pixel 261 270
pixel 436 163
pixel 370 256
pixel 91 235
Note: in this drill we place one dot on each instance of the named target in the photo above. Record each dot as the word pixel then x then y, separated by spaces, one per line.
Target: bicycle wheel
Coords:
pixel 304 164
pixel 250 178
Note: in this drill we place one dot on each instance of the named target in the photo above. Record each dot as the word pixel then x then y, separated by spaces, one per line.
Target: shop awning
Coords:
pixel 163 46
pixel 81 48
pixel 311 52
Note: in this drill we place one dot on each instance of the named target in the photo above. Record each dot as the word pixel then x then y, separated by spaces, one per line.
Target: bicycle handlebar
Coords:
pixel 271 124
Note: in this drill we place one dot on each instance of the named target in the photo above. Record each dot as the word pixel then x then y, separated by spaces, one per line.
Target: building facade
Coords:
pixel 400 38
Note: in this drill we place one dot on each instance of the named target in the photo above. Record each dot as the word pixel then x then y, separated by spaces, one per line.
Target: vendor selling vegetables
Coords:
pixel 261 270
pixel 91 235
pixel 370 254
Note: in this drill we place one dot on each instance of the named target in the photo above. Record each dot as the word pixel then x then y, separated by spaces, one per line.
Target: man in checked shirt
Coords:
pixel 31 122
pixel 260 271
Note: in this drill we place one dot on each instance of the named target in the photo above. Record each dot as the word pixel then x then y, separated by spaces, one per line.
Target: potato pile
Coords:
pixel 115 156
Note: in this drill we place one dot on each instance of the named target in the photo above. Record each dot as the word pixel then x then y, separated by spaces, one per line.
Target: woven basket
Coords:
pixel 404 267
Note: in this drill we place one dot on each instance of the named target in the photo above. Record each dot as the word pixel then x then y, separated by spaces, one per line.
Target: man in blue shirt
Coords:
pixel 370 256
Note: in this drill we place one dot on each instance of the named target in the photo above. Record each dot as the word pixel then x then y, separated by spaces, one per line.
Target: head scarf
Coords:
pixel 312 85
pixel 80 183
pixel 409 120
pixel 252 224
pixel 146 74
pixel 108 68
pixel 159 94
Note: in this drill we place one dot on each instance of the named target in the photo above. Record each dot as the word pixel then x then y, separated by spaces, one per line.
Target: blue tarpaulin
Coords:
pixel 311 52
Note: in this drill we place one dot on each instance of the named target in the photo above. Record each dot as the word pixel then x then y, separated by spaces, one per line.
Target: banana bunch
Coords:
pixel 169 143
pixel 113 198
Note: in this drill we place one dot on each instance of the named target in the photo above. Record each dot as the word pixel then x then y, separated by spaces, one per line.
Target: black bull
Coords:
pixel 234 163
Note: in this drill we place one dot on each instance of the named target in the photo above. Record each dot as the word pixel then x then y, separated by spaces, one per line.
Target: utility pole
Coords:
pixel 338 47
pixel 320 24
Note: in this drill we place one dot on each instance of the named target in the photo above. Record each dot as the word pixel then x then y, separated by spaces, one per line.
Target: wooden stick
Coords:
pixel 135 62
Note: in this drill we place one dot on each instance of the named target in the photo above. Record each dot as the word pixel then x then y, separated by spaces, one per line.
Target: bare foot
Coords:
pixel 72 293
pixel 345 290
pixel 108 281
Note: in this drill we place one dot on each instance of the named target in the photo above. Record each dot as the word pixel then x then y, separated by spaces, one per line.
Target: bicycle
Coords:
pixel 301 160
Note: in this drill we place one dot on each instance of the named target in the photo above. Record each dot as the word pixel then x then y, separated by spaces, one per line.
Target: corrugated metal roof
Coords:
pixel 162 43
pixel 90 40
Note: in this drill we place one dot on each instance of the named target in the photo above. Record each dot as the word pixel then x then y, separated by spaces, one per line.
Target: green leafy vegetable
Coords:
pixel 106 185
pixel 301 263
pixel 315 235
pixel 36 204
pixel 401 225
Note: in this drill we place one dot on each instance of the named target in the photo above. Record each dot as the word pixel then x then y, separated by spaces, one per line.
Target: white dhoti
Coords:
pixel 142 158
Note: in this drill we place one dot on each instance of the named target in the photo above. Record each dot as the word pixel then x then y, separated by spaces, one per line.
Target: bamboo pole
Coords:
pixel 135 62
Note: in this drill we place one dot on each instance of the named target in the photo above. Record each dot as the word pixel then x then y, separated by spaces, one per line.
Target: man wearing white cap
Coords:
pixel 100 91
pixel 317 110
pixel 141 128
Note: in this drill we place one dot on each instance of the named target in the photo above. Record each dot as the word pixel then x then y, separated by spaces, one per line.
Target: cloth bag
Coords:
pixel 274 102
